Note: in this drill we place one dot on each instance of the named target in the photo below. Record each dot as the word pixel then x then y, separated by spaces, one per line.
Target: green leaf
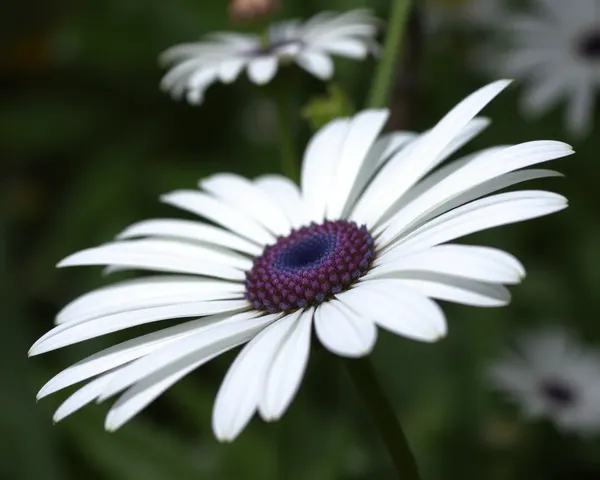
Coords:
pixel 322 109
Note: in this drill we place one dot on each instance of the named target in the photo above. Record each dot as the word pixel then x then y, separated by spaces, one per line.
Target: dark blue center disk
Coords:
pixel 305 253
pixel 588 46
pixel 309 266
pixel 558 393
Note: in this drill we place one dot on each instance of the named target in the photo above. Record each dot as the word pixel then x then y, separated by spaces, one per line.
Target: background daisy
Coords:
pixel 311 44
pixel 551 374
pixel 555 50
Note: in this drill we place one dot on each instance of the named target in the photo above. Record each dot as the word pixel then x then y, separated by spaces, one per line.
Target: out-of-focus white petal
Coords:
pixel 261 70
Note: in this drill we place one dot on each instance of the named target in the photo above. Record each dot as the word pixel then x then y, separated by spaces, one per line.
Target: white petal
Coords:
pixel 201 344
pixel 397 308
pixel 190 230
pixel 361 134
pixel 320 164
pixel 474 173
pixel 243 40
pixel 230 70
pixel 220 213
pixel 491 186
pixel 458 290
pixel 542 94
pixel 243 386
pixel 477 263
pixel 581 106
pixel 384 147
pixel 344 332
pixel 317 63
pixel 204 76
pixel 242 195
pixel 67 334
pixel 287 195
pixel 346 47
pixel 395 178
pixel 468 133
pixel 429 181
pixel 388 144
pixel 86 394
pixel 482 214
pixel 261 70
pixel 287 368
pixel 146 292
pixel 123 353
pixel 162 255
pixel 140 395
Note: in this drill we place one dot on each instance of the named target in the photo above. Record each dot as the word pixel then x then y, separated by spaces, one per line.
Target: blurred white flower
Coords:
pixel 223 56
pixel 361 244
pixel 555 50
pixel 472 13
pixel 551 374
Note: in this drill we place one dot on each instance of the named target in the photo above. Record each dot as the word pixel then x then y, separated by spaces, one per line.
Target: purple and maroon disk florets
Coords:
pixel 309 265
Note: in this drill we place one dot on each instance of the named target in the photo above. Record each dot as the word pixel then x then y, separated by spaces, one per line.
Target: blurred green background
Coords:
pixel 88 144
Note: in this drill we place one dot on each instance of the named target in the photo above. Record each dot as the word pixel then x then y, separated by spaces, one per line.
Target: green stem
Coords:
pixel 380 88
pixel 364 378
pixel 289 162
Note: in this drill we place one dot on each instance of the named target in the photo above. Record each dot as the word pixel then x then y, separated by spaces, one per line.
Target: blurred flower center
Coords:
pixel 558 393
pixel 309 265
pixel 282 47
pixel 589 45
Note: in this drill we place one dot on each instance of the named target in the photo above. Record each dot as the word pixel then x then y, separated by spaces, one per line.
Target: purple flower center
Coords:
pixel 558 393
pixel 309 266
pixel 588 45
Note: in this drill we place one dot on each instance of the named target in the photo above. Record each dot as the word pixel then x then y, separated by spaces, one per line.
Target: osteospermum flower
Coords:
pixel 361 244
pixel 223 56
pixel 551 374
pixel 556 51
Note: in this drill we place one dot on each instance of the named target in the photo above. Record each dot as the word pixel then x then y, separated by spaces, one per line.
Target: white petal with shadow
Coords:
pixel 477 263
pixel 67 334
pixel 342 331
pixel 125 352
pixel 146 292
pixel 192 231
pixel 244 383
pixel 220 213
pixel 287 195
pixel 204 343
pixel 398 308
pixel 287 367
pixel 457 289
pixel 246 197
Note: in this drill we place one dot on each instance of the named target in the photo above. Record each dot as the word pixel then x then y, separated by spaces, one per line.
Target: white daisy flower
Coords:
pixel 223 56
pixel 473 13
pixel 361 244
pixel 556 51
pixel 552 375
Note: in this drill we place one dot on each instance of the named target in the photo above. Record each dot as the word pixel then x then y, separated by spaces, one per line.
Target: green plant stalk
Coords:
pixel 363 375
pixel 380 88
pixel 289 161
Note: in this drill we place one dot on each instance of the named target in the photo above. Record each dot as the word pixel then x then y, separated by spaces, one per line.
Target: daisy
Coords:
pixel 473 13
pixel 552 375
pixel 361 244
pixel 556 51
pixel 223 56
